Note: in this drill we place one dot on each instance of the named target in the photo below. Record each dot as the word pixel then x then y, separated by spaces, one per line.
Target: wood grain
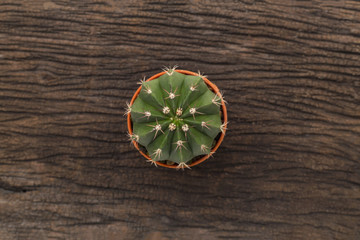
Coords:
pixel 289 167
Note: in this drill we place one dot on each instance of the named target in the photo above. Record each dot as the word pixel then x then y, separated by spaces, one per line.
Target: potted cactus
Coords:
pixel 176 118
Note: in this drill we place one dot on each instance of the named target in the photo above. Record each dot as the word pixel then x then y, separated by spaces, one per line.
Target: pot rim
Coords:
pixel 224 110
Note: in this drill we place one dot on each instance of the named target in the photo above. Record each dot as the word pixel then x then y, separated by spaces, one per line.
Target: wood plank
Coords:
pixel 289 167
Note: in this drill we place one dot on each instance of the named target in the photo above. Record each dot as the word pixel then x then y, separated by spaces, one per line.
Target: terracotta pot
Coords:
pixel 224 119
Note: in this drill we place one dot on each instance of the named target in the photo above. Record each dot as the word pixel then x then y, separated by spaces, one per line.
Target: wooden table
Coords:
pixel 289 167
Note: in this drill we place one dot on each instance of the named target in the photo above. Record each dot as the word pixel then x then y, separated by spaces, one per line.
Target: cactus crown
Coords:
pixel 176 117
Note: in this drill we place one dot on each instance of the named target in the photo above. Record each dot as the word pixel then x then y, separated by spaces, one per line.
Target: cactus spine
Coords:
pixel 176 117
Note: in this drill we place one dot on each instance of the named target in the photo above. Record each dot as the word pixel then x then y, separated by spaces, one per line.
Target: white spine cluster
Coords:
pixel 204 148
pixel 147 114
pixel 152 162
pixel 172 126
pixel 185 127
pixel 193 111
pixel 201 75
pixel 180 145
pixel 157 153
pixel 205 124
pixel 156 128
pixel 171 94
pixel 193 88
pixel 222 97
pixel 179 112
pixel 166 110
pixel 127 109
pixel 133 137
pixel 216 100
pixel 182 166
pixel 169 71
pixel 223 127
pixel 142 81
pixel 211 154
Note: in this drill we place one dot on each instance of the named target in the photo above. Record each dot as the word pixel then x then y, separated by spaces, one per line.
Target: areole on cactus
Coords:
pixel 176 117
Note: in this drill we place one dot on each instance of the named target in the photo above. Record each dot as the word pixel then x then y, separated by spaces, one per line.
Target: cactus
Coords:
pixel 176 117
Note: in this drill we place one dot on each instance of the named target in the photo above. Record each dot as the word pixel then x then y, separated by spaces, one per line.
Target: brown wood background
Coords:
pixel 289 167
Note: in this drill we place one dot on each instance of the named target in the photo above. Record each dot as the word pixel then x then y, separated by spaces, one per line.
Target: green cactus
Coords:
pixel 176 117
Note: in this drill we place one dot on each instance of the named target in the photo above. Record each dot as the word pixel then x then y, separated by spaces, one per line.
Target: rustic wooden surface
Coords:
pixel 289 167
